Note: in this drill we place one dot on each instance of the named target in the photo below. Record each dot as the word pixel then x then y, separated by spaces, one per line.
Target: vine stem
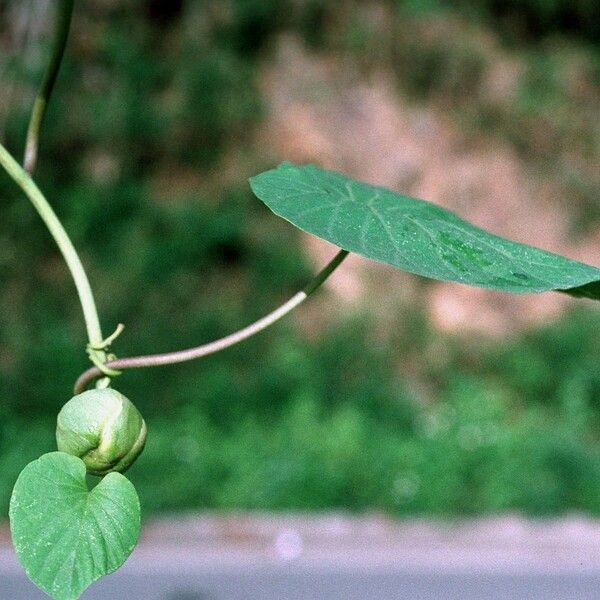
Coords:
pixel 63 26
pixel 170 358
pixel 86 297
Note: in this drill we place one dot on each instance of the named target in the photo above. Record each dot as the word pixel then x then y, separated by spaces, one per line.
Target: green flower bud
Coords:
pixel 103 428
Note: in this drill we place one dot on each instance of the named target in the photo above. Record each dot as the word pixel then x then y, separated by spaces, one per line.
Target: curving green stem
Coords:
pixel 63 25
pixel 24 181
pixel 170 358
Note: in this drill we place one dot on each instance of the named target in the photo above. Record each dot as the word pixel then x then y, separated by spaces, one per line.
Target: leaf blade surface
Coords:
pixel 415 235
pixel 65 536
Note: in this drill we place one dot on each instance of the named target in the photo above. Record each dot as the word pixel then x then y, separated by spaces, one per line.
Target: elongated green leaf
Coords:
pixel 65 536
pixel 415 235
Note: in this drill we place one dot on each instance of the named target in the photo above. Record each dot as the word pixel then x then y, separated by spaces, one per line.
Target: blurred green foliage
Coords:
pixel 518 19
pixel 153 97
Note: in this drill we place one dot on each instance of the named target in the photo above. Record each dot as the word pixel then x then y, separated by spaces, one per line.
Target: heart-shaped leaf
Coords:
pixel 65 536
pixel 415 235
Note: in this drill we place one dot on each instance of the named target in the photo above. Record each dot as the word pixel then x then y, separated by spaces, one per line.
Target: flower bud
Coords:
pixel 103 428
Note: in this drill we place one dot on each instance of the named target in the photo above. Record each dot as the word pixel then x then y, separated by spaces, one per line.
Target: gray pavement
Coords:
pixel 335 557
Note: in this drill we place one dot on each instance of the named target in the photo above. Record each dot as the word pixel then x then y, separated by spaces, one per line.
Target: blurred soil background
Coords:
pixel 385 392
